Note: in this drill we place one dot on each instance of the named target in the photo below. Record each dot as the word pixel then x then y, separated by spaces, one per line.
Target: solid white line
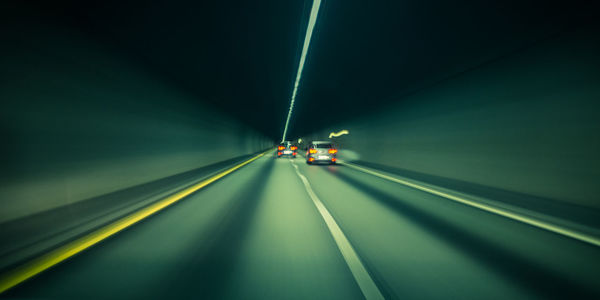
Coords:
pixel 514 216
pixel 362 277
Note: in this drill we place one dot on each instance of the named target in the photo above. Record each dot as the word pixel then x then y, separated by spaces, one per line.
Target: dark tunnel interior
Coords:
pixel 468 128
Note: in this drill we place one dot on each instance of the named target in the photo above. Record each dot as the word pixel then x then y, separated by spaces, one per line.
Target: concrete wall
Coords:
pixel 78 121
pixel 528 123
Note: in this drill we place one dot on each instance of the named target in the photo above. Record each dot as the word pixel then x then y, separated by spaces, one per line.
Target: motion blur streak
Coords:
pixel 314 12
pixel 471 159
pixel 46 261
pixel 527 220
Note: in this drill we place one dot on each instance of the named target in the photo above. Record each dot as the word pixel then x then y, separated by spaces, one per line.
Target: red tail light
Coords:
pixel 293 148
pixel 295 153
pixel 333 151
pixel 311 159
pixel 278 153
pixel 280 148
pixel 312 151
pixel 334 159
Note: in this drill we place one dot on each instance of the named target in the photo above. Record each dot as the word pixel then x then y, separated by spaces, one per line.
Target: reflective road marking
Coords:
pixel 48 260
pixel 362 277
pixel 514 216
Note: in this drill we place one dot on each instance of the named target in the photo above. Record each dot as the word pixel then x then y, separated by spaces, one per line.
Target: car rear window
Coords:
pixel 323 146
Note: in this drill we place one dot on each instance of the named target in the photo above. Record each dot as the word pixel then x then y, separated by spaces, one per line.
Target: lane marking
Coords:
pixel 583 237
pixel 50 259
pixel 362 277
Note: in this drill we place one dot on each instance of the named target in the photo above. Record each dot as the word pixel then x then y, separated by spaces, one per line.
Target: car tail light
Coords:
pixel 295 153
pixel 280 148
pixel 294 148
pixel 312 151
pixel 278 153
pixel 334 159
pixel 333 151
pixel 311 159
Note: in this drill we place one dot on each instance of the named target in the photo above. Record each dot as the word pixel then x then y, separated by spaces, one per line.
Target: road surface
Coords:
pixel 262 232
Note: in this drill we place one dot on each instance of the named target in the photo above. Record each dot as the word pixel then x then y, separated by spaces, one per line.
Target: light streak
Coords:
pixel 311 25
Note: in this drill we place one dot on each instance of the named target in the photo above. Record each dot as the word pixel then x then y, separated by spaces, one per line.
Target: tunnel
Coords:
pixel 300 149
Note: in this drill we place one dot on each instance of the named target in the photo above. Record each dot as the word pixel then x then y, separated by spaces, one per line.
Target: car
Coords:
pixel 321 152
pixel 287 148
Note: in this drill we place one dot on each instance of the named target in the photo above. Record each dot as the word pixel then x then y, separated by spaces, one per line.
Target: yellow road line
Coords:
pixel 46 261
pixel 514 216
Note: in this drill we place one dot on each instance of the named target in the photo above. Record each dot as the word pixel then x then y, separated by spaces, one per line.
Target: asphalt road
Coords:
pixel 258 234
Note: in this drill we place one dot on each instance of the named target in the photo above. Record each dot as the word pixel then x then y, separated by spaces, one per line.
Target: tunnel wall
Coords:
pixel 527 123
pixel 78 121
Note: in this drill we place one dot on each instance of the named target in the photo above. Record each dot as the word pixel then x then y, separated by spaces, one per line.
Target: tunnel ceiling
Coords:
pixel 242 56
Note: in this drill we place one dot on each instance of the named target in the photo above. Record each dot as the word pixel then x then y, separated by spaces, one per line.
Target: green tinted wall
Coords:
pixel 78 121
pixel 528 122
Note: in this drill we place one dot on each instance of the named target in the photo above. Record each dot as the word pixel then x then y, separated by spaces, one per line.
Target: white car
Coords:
pixel 288 149
pixel 321 152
